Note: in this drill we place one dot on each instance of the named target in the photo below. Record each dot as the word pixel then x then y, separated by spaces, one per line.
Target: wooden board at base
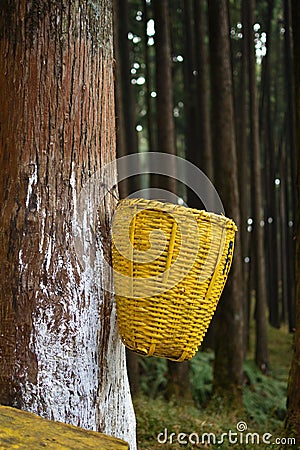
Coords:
pixel 23 430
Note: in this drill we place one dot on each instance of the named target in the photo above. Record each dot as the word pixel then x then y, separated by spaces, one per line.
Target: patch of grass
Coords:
pixel 264 402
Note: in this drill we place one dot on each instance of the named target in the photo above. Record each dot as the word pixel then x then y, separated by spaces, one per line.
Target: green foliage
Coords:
pixel 153 376
pixel 201 375
pixel 264 400
pixel 264 396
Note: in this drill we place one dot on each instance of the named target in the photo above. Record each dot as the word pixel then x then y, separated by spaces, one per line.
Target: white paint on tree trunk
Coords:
pixel 32 180
pixel 115 411
pixel 67 335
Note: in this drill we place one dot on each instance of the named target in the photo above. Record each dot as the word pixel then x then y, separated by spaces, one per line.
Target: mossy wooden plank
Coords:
pixel 23 430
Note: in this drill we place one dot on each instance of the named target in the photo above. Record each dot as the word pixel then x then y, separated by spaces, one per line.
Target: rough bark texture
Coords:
pixel 293 402
pixel 229 337
pixel 60 354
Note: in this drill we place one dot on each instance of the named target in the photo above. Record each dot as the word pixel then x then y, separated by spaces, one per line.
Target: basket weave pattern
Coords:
pixel 170 267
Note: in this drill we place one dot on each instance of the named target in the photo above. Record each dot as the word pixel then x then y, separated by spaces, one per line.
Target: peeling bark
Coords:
pixel 60 354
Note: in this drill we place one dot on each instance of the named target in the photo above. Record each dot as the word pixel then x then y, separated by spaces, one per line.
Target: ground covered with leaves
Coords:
pixel 167 425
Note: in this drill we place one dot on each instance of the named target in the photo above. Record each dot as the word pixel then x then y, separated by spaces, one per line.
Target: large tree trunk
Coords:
pixel 60 354
pixel 229 337
pixel 293 401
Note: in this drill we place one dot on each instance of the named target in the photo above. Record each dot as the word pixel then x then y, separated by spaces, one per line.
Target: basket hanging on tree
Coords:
pixel 170 267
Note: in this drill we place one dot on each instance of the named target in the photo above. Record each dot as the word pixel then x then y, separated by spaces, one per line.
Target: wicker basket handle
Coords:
pixel 170 252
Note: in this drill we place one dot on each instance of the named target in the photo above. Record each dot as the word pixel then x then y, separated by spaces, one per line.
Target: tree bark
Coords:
pixel 228 369
pixel 60 353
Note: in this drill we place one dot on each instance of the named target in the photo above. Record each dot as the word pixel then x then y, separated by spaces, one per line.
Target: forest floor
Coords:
pixel 165 425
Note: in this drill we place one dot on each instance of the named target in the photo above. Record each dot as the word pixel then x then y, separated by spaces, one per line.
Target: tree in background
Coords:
pixel 202 72
pixel 292 423
pixel 164 88
pixel 261 346
pixel 229 354
pixel 126 131
pixel 60 352
pixel 125 105
pixel 178 380
pixel 241 113
pixel 270 41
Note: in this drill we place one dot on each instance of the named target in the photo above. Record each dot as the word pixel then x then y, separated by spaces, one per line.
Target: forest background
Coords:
pixel 213 82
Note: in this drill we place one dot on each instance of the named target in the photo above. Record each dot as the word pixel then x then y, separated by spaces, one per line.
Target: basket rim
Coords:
pixel 179 209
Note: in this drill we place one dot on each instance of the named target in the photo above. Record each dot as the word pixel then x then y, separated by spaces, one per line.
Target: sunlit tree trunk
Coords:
pixel 229 352
pixel 60 353
pixel 292 423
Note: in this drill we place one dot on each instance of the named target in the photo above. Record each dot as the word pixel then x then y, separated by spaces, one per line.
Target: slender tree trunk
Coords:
pixel 121 147
pixel 164 101
pixel 292 423
pixel 269 157
pixel 243 169
pixel 150 121
pixel 261 348
pixel 178 384
pixel 291 195
pixel 229 353
pixel 203 157
pixel 127 143
pixel 204 146
pixel 283 234
pixel 193 150
pixel 126 134
pixel 60 353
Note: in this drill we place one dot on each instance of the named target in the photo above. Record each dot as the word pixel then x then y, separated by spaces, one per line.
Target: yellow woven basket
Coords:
pixel 170 267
